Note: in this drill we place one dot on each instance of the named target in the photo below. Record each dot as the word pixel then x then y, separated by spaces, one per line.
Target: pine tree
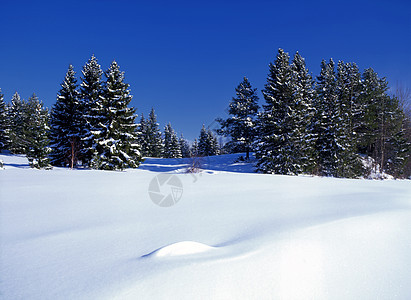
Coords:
pixel 18 120
pixel 194 148
pixel 153 136
pixel 303 100
pixel 4 139
pixel 204 143
pixel 241 126
pixel 115 138
pixel 65 124
pixel 185 147
pixel 327 121
pixel 90 96
pixel 382 122
pixel 171 144
pixel 35 134
pixel 277 149
pixel 207 143
pixel 348 90
pixel 142 131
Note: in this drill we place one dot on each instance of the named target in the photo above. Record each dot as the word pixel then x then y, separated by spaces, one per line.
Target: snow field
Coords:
pixel 85 234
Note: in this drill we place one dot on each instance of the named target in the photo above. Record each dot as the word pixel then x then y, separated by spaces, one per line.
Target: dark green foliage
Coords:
pixel 302 134
pixel 185 147
pixel 66 124
pixel 90 94
pixel 171 144
pixel 277 149
pixel 17 120
pixel 115 139
pixel 35 134
pixel 241 125
pixel 207 143
pixel 4 135
pixel 152 136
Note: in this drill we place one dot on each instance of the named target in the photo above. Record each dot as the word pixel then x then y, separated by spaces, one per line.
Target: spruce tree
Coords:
pixel 277 149
pixel 90 96
pixel 66 123
pixel 4 139
pixel 171 144
pixel 35 134
pixel 327 122
pixel 348 90
pixel 194 148
pixel 241 125
pixel 207 143
pixel 382 125
pixel 142 131
pixel 17 122
pixel 115 139
pixel 303 100
pixel 185 147
pixel 153 136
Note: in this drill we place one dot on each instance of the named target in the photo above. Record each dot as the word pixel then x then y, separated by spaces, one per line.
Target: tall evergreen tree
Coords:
pixel 115 139
pixel 303 100
pixel 348 88
pixel 17 121
pixel 4 138
pixel 241 125
pixel 327 121
pixel 142 131
pixel 90 96
pixel 194 148
pixel 382 125
pixel 153 136
pixel 185 147
pixel 35 134
pixel 171 145
pixel 277 149
pixel 207 143
pixel 66 123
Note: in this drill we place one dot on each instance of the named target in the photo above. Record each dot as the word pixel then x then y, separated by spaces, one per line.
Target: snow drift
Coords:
pixel 85 234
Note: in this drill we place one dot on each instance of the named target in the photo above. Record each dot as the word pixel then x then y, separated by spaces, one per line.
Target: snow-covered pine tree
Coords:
pixel 348 85
pixel 17 122
pixel 378 121
pixel 204 143
pixel 4 138
pixel 303 131
pixel 327 122
pixel 215 146
pixel 241 125
pixel 90 95
pixel 398 148
pixel 276 150
pixel 153 136
pixel 142 131
pixel 171 144
pixel 35 134
pixel 115 136
pixel 194 148
pixel 185 147
pixel 66 123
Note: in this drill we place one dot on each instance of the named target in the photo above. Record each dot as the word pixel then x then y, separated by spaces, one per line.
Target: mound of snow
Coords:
pixel 181 248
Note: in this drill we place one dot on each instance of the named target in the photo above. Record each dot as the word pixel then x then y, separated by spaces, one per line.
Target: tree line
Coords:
pixel 331 126
pixel 342 124
pixel 91 125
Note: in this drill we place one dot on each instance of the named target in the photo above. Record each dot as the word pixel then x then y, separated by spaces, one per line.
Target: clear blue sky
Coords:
pixel 185 58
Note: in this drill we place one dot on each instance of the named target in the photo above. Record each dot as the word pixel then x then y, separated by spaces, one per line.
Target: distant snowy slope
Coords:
pixel 234 234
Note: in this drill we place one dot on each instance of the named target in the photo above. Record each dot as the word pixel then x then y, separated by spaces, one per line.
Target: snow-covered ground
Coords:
pixel 233 234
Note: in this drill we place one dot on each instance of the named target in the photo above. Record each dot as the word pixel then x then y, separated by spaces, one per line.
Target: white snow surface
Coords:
pixel 234 234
